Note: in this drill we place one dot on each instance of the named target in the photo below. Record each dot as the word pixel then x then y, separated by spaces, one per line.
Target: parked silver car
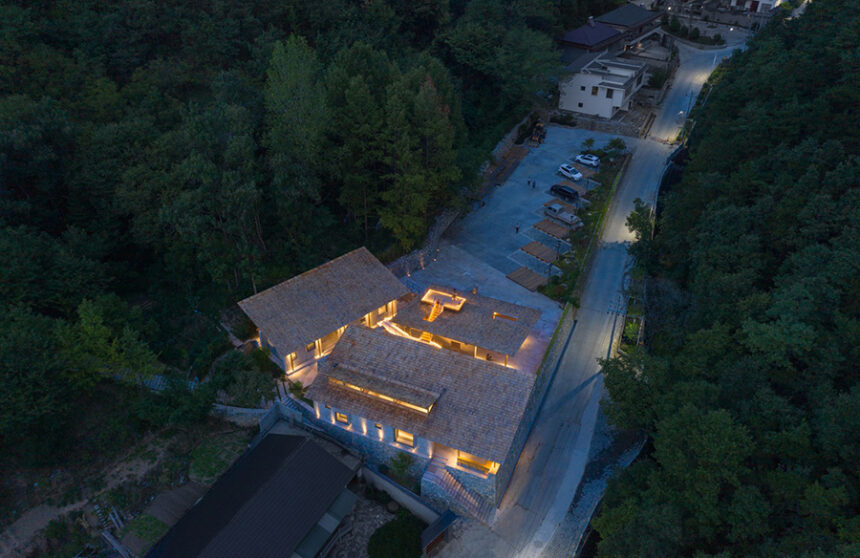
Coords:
pixel 588 160
pixel 569 171
pixel 557 211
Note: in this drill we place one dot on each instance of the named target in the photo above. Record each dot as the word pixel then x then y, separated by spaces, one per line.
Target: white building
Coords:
pixel 600 85
pixel 755 6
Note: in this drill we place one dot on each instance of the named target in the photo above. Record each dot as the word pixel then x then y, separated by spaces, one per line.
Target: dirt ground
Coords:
pixel 367 516
pixel 156 462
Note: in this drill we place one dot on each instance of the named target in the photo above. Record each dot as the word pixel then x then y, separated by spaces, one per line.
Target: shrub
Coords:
pixel 657 78
pixel 674 24
pixel 399 538
pixel 684 32
pixel 718 39
pixel 564 119
pixel 399 466
pixel 694 33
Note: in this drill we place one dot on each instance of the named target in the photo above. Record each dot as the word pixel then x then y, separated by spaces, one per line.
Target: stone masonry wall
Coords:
pixel 486 487
pixel 436 497
pixel 544 377
pixel 375 452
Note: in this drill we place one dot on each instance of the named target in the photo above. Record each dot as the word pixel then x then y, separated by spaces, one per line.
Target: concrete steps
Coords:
pixel 467 499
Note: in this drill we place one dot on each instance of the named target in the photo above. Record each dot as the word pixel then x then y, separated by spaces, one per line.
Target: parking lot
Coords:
pixel 490 231
pixel 484 246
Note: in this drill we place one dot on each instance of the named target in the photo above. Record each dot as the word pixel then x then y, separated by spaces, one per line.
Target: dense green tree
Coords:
pixel 93 348
pixel 749 385
pixel 182 156
pixel 420 152
pixel 34 401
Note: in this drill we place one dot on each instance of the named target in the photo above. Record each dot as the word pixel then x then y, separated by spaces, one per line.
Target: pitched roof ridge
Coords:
pixel 305 273
pixel 386 379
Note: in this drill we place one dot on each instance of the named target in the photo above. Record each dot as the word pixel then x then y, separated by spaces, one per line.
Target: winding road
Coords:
pixel 556 453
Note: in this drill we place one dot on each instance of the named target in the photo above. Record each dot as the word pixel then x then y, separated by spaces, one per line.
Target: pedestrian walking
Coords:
pixel 517 229
pixel 534 184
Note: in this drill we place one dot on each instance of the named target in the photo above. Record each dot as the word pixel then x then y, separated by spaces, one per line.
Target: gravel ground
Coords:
pixel 610 450
pixel 367 517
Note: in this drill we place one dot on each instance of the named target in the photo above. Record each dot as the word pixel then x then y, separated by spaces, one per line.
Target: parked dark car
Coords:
pixel 565 192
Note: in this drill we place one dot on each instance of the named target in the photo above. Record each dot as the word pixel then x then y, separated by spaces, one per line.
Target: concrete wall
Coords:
pixel 400 495
pixel 239 415
pixel 577 91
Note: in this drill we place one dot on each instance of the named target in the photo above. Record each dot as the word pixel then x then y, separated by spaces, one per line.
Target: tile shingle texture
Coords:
pixel 474 323
pixel 309 306
pixel 479 408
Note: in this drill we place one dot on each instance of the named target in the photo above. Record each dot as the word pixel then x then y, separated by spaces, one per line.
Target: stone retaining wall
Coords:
pixel 400 495
pixel 545 374
pixel 374 452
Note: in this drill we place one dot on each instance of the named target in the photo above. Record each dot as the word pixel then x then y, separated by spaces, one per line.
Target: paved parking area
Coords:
pixel 490 232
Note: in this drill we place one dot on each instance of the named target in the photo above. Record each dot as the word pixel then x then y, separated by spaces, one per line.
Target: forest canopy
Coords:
pixel 750 386
pixel 161 159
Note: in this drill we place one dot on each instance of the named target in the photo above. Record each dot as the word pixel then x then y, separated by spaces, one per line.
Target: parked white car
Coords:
pixel 569 171
pixel 556 211
pixel 588 160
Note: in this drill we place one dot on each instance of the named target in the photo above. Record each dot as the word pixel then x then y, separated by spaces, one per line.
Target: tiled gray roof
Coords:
pixel 628 15
pixel 474 322
pixel 317 302
pixel 480 404
pixel 263 506
pixel 590 35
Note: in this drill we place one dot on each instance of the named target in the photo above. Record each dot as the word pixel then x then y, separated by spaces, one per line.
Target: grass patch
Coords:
pixel 146 527
pixel 572 265
pixel 213 456
pixel 399 538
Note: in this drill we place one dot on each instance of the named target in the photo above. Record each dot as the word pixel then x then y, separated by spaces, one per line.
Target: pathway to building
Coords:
pixel 554 459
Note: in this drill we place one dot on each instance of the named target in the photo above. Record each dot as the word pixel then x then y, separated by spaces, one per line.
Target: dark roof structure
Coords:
pixel 628 16
pixel 480 404
pixel 267 505
pixel 590 36
pixel 311 305
pixel 486 322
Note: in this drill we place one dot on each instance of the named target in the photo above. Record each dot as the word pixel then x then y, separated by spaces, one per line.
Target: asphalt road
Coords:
pixel 553 461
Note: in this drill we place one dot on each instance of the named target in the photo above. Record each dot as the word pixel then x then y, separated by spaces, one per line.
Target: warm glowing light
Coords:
pixel 497 316
pixel 403 437
pixel 382 396
pixel 394 329
pixel 447 300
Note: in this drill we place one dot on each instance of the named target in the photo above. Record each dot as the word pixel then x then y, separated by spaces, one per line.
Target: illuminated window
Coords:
pixel 402 437
pixel 341 418
pixel 310 347
pixel 381 310
pixel 379 426
pixel 474 462
pixel 594 90
pixel 327 406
